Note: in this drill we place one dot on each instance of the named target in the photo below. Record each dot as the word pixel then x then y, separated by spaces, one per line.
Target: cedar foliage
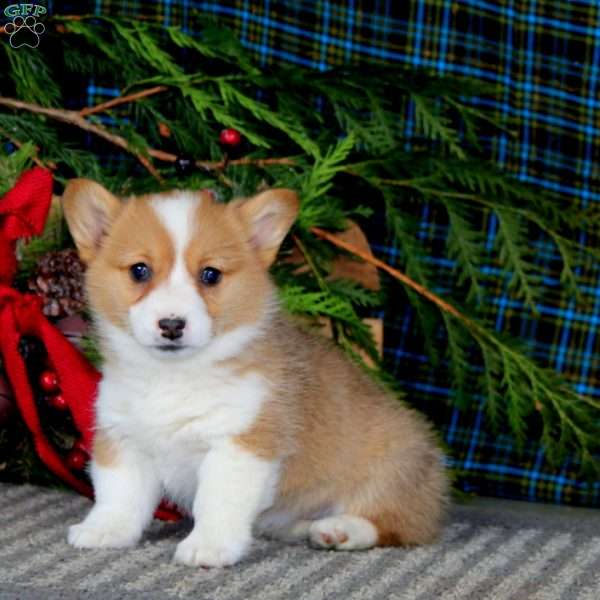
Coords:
pixel 351 156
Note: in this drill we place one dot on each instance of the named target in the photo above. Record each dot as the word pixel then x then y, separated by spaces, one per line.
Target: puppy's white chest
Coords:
pixel 163 406
pixel 174 419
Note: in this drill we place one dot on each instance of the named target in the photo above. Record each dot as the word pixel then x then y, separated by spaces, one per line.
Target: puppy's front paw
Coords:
pixel 195 552
pixel 102 535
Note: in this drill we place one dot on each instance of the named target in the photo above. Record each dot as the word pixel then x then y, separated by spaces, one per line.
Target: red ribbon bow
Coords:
pixel 23 213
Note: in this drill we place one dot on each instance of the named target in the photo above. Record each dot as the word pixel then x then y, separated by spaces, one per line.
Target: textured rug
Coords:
pixel 489 549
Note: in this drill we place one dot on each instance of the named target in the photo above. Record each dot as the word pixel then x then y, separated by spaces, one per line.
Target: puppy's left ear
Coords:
pixel 269 216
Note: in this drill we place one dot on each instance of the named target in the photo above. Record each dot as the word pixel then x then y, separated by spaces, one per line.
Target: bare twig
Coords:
pixel 399 275
pixel 479 332
pixel 219 165
pixel 92 110
pixel 72 117
pixel 255 162
pixel 77 119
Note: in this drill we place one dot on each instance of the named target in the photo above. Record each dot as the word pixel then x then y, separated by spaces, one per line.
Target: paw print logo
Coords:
pixel 24 32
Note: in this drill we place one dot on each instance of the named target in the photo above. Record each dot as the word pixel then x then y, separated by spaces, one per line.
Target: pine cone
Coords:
pixel 59 280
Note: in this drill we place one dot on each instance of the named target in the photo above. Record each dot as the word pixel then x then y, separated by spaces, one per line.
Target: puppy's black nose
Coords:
pixel 172 328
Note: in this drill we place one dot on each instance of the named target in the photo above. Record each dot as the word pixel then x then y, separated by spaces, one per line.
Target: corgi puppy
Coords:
pixel 214 399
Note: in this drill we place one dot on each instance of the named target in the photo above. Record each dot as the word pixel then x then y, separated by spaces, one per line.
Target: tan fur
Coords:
pixel 347 442
pixel 269 216
pixel 138 236
pixel 90 211
pixel 344 443
pixel 222 242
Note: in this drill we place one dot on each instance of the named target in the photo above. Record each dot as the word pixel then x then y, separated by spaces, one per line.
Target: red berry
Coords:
pixel 230 137
pixel 76 459
pixel 49 381
pixel 58 401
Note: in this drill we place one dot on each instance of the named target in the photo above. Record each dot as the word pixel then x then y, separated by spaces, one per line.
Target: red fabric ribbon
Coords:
pixel 23 213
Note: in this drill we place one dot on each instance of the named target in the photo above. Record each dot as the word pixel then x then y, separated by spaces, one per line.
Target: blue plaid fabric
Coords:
pixel 542 57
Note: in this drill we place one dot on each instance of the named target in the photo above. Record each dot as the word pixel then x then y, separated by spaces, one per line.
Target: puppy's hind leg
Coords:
pixel 296 531
pixel 343 532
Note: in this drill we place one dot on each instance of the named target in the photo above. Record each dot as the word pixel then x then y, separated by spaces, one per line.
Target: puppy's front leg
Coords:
pixel 126 493
pixel 234 487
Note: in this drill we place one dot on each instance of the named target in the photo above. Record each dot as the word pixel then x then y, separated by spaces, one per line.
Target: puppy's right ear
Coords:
pixel 90 211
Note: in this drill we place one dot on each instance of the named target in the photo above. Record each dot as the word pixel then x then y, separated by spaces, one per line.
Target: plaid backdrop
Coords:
pixel 543 56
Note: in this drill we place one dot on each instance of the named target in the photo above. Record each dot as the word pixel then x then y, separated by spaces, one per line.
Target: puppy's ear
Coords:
pixel 90 211
pixel 269 216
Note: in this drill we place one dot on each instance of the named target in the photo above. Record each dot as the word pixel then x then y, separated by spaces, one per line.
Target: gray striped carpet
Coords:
pixel 490 549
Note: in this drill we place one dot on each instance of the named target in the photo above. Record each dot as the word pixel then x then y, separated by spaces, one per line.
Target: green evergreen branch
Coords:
pixel 72 117
pixel 459 364
pixel 463 242
pixel 343 160
pixel 145 46
pixel 298 134
pixel 511 241
pixel 13 164
pixel 494 403
pixel 31 76
pixel 436 126
pixel 319 182
pixel 328 302
pixel 524 382
pixel 464 246
pixel 403 235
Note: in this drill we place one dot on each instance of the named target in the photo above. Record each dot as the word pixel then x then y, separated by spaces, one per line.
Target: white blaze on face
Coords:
pixel 177 297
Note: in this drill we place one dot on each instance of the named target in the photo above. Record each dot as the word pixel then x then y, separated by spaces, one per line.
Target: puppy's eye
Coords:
pixel 210 276
pixel 140 272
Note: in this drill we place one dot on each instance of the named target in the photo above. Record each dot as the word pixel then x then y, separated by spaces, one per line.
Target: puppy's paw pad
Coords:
pixel 196 553
pixel 97 536
pixel 328 537
pixel 345 532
